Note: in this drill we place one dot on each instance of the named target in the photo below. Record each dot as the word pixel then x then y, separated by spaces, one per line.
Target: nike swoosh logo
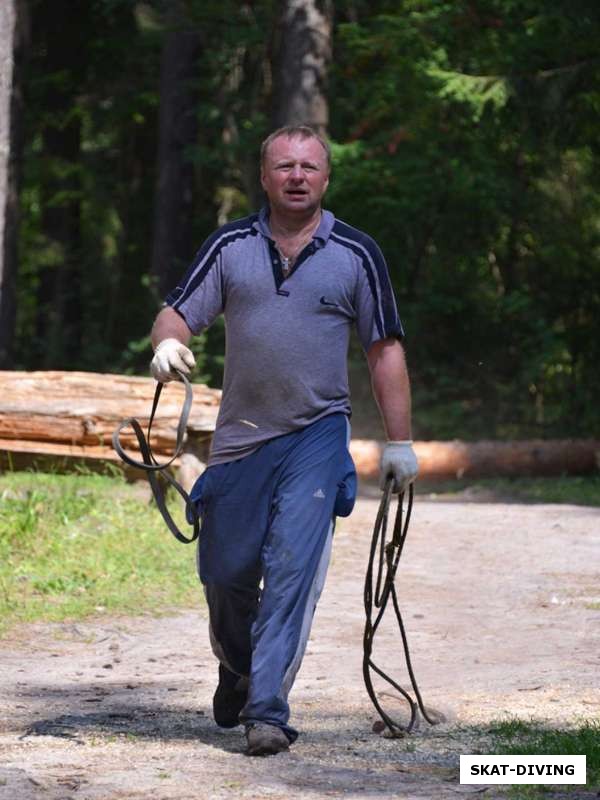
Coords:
pixel 325 302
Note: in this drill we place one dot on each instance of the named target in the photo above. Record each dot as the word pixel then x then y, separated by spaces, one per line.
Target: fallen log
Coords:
pixel 488 459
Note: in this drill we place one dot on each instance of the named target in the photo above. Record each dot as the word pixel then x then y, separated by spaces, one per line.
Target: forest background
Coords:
pixel 465 139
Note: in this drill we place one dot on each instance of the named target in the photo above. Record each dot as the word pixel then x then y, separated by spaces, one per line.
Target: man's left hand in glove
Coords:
pixel 399 460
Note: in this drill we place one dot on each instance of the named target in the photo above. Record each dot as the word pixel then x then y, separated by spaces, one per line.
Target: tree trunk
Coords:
pixel 13 41
pixel 300 64
pixel 59 323
pixel 178 129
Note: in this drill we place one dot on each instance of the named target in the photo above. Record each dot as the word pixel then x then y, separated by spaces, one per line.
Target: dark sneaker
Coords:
pixel 230 698
pixel 265 740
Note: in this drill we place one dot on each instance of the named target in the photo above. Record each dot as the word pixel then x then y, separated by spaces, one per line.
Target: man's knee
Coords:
pixel 225 575
pixel 231 594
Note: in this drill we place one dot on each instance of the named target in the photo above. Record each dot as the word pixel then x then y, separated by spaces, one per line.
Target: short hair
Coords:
pixel 302 131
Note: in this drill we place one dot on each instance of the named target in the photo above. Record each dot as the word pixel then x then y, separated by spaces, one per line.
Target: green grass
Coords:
pixel 516 737
pixel 576 490
pixel 74 546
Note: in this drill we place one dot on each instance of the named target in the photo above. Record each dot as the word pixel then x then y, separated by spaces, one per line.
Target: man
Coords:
pixel 290 281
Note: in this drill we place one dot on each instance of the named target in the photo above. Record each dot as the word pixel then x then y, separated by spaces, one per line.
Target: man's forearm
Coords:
pixel 391 387
pixel 169 325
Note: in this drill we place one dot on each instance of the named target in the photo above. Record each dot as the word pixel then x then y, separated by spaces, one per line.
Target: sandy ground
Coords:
pixel 502 608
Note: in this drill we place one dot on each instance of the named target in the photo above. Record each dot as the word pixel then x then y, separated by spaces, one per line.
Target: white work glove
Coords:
pixel 398 459
pixel 171 354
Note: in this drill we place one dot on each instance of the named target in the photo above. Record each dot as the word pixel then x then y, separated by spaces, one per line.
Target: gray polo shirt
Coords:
pixel 286 338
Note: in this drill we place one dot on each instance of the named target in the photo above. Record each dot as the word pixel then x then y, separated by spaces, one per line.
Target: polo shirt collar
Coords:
pixel 322 233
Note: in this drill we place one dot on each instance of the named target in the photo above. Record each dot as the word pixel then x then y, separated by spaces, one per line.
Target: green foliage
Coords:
pixel 76 546
pixel 464 140
pixel 472 178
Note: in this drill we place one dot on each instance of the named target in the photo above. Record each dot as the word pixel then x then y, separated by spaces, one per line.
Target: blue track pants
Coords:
pixel 265 542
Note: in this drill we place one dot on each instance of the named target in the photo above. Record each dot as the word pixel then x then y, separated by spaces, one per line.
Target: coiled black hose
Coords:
pixel 378 591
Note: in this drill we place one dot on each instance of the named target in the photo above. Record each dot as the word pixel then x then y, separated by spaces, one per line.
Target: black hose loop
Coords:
pixel 385 556
pixel 153 468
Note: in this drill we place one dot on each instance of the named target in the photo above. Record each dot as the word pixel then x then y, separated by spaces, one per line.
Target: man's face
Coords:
pixel 295 174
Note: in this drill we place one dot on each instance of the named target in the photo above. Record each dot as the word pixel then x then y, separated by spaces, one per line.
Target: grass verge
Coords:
pixel 516 737
pixel 74 546
pixel 577 490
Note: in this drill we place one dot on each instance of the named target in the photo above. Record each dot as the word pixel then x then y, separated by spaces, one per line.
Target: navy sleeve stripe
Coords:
pixel 206 258
pixel 387 321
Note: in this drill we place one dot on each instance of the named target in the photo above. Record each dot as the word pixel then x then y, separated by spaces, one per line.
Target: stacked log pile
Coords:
pixel 59 417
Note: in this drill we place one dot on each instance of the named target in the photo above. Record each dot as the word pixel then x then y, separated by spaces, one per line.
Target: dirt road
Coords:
pixel 502 608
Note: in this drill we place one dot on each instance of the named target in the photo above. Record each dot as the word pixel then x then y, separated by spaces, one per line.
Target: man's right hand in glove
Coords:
pixel 171 354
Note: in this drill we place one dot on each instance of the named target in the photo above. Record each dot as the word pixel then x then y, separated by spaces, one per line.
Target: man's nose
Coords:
pixel 297 172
